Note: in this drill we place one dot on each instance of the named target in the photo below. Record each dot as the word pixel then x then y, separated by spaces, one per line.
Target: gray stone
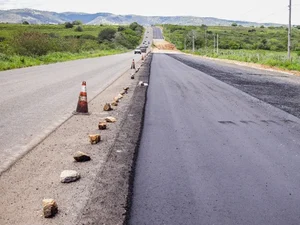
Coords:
pixel 68 176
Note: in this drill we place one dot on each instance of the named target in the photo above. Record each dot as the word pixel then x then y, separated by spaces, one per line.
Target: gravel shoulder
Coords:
pixel 100 196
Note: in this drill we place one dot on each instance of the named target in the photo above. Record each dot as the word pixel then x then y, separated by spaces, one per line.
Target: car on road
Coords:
pixel 143 49
pixel 137 51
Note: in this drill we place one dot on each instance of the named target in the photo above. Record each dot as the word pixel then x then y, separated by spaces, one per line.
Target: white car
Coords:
pixel 137 51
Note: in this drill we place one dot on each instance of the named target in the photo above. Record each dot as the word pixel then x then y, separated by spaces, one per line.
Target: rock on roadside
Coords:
pixel 102 126
pixel 107 107
pixel 49 208
pixel 81 157
pixel 114 104
pixel 94 138
pixel 68 176
pixel 110 119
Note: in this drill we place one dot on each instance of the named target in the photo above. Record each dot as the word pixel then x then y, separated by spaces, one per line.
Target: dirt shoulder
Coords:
pixel 100 196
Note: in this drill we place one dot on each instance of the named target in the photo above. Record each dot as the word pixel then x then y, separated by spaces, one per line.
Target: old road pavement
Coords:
pixel 220 145
pixel 36 100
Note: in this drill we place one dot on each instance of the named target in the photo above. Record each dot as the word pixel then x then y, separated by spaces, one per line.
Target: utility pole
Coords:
pixel 217 43
pixel 290 30
pixel 193 42
pixel 205 38
pixel 214 43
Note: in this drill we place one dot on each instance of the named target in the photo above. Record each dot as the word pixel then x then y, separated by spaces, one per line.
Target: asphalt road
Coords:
pixel 36 100
pixel 157 33
pixel 211 153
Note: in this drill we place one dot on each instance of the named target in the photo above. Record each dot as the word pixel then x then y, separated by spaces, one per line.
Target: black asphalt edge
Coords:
pixel 110 200
pixel 145 78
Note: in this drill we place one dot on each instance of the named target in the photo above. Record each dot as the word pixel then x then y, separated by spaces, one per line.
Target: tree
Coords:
pixel 25 22
pixel 121 28
pixel 234 24
pixel 76 22
pixel 133 26
pixel 68 25
pixel 79 29
pixel 204 26
pixel 106 34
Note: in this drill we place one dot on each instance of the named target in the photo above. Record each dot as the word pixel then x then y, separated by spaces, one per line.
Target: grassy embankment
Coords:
pixel 261 45
pixel 29 45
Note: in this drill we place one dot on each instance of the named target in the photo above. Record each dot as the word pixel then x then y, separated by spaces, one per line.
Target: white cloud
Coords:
pixel 255 10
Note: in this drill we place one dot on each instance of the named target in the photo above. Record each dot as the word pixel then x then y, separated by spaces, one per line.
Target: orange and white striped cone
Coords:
pixel 132 65
pixel 82 105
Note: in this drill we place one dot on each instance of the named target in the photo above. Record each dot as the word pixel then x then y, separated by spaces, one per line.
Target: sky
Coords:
pixel 261 11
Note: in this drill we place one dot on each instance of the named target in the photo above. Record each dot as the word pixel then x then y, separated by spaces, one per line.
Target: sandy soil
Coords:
pixel 37 175
pixel 163 46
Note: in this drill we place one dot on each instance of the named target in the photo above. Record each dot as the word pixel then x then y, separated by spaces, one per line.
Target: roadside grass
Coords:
pixel 261 45
pixel 17 61
pixel 30 45
pixel 8 30
pixel 264 57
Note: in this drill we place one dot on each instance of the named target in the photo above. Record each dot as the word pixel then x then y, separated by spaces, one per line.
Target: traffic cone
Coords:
pixel 82 106
pixel 133 64
pixel 143 57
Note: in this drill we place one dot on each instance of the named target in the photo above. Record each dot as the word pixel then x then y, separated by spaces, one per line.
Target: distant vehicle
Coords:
pixel 144 49
pixel 137 51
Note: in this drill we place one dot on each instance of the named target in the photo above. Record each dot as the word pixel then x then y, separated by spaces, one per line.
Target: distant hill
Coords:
pixel 45 17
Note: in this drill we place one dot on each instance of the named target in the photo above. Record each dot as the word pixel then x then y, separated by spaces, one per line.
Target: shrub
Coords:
pixel 106 34
pixel 88 37
pixel 68 25
pixel 234 24
pixel 79 29
pixel 53 35
pixel 121 28
pixel 25 22
pixel 76 22
pixel 31 43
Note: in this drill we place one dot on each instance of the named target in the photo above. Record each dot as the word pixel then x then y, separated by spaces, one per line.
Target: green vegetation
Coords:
pixel 264 57
pixel 263 45
pixel 24 45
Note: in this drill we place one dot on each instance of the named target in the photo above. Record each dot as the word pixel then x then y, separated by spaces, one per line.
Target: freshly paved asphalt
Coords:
pixel 211 153
pixel 157 34
pixel 36 100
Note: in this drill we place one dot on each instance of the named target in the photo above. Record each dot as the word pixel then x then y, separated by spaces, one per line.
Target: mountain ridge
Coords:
pixel 34 16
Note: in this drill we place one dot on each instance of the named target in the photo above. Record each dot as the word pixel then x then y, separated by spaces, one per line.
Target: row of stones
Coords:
pixel 50 207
